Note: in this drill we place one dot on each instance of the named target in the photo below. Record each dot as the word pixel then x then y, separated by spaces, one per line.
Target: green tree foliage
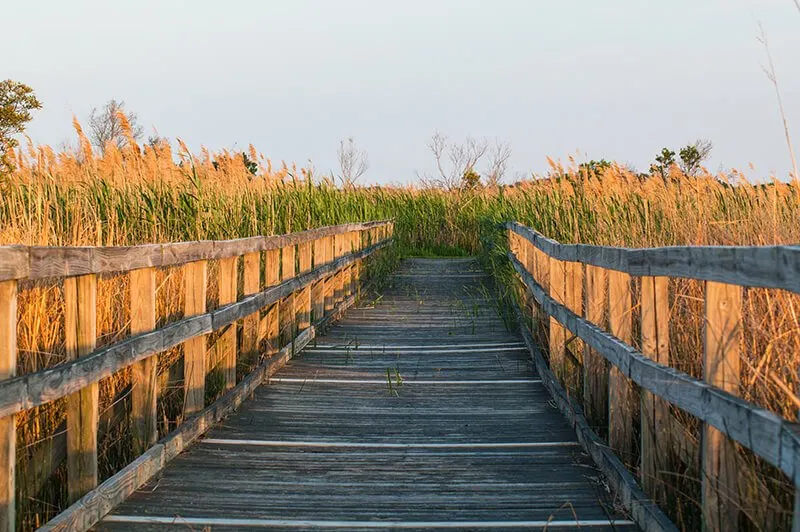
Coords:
pixel 250 164
pixel 17 100
pixel 664 162
pixel 471 178
pixel 691 158
pixel 693 155
pixel 593 167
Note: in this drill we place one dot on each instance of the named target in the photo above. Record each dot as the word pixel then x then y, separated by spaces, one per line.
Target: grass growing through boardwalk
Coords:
pixel 150 194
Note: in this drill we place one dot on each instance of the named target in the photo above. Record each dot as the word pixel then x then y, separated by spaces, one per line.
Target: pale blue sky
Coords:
pixel 615 79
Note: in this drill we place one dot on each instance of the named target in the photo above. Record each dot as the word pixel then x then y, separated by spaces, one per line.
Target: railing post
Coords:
pixel 338 278
pixel 228 291
pixel 621 399
pixel 8 424
pixel 330 280
pixel 574 288
pixel 558 335
pixel 723 336
pixel 194 349
pixel 655 411
pixel 144 389
pixel 542 276
pixel 595 367
pixel 80 319
pixel 288 271
pixel 252 285
pixel 303 303
pixel 318 288
pixel 271 322
pixel 349 245
pixel 530 266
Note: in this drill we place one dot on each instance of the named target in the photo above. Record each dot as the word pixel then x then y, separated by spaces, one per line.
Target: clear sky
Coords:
pixel 617 79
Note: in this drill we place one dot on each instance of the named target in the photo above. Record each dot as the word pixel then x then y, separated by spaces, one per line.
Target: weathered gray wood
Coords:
pixel 723 337
pixel 595 367
pixel 80 325
pixel 756 266
pixel 252 285
pixel 270 323
pixel 34 389
pixel 287 305
pixel 769 436
pixel 558 336
pixel 40 262
pixel 90 509
pixel 623 403
pixel 655 411
pixel 8 425
pixel 227 343
pixel 195 276
pixel 303 304
pixel 383 484
pixel 644 512
pixel 144 378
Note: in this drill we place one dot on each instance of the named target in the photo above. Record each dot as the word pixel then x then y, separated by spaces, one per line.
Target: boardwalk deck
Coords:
pixel 465 438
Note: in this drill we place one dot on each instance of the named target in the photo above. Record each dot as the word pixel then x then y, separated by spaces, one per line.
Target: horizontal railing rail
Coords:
pixel 42 262
pixel 278 294
pixel 553 277
pixel 751 266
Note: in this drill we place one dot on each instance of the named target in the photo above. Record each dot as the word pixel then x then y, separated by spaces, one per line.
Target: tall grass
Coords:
pixel 148 194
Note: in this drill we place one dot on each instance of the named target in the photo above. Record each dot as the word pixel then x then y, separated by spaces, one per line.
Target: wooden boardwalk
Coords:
pixel 420 410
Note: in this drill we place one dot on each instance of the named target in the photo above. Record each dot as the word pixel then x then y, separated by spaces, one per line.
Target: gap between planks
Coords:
pixel 315 523
pixel 311 380
pixel 372 445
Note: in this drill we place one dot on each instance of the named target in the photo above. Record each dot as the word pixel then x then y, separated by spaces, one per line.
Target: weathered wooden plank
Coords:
pixel 303 303
pixel 194 349
pixel 558 336
pixel 755 266
pixel 8 425
pixel 226 345
pixel 318 288
pixel 252 285
pixel 80 324
pixel 305 480
pixel 287 305
pixel 39 262
pixel 595 367
pixel 623 404
pixel 723 337
pixel 34 389
pixel 329 281
pixel 766 434
pixel 144 393
pixel 655 412
pixel 90 509
pixel 15 262
pixel 643 510
pixel 270 327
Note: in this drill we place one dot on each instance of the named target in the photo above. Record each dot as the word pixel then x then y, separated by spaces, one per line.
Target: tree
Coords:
pixel 353 163
pixel 470 179
pixel 693 155
pixel 498 162
pixel 250 164
pixel 595 168
pixel 462 161
pixel 109 125
pixel 17 100
pixel 664 162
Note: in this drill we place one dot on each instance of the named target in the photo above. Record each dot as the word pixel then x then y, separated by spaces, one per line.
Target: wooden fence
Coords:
pixel 301 281
pixel 575 289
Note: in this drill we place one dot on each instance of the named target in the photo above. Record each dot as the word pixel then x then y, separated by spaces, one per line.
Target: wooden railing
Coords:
pixel 576 288
pixel 298 279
